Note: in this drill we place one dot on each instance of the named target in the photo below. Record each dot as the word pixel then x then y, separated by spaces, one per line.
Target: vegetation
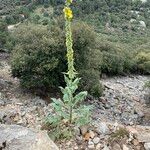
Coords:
pixel 47 43
pixel 67 109
pixel 112 38
pixel 3 34
pixel 118 135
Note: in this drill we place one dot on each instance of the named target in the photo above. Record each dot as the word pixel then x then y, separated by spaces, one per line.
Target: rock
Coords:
pixel 102 128
pixel 76 148
pixel 91 145
pixel 147 96
pixel 142 24
pixel 39 102
pixel 116 146
pixel 131 130
pixel 139 112
pixel 90 142
pixel 143 137
pixel 147 146
pixel 79 138
pixel 96 140
pixel 92 134
pixel 2 103
pixel 77 131
pixel 132 20
pixel 98 146
pixel 125 147
pixel 2 115
pixel 14 137
pixel 106 147
pixel 84 129
pixel 135 142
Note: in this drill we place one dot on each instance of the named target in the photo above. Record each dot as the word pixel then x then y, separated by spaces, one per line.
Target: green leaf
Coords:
pixel 67 80
pixel 83 115
pixel 57 104
pixel 62 90
pixel 67 94
pixel 80 97
pixel 76 81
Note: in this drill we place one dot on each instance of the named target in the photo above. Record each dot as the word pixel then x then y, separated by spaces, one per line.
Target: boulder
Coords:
pixel 14 137
pixel 142 24
pixel 144 137
pixel 147 146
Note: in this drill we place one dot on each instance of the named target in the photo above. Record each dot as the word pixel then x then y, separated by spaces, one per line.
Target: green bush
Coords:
pixel 38 58
pixel 147 84
pixel 143 62
pixel 116 59
pixel 3 33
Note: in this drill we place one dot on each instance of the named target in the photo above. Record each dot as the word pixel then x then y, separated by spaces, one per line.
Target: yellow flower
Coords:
pixel 68 13
pixel 69 1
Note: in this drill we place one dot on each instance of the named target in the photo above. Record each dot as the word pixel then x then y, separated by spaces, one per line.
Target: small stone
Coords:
pixel 76 148
pixel 131 130
pixel 98 146
pixel 91 145
pixel 68 143
pixel 116 146
pixel 84 130
pixel 77 131
pixel 138 147
pixel 96 140
pixel 125 147
pixel 90 142
pixel 139 112
pixel 92 134
pixel 106 147
pixel 79 138
pixel 143 137
pixel 147 146
pixel 103 129
pixel 2 103
pixel 2 115
pixel 135 142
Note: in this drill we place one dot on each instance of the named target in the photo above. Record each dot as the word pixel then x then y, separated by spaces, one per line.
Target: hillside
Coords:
pixel 77 73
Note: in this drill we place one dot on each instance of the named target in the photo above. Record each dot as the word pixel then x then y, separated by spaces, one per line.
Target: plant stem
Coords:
pixel 70 119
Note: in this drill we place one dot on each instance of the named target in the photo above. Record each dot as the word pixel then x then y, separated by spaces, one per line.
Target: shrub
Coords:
pixel 116 59
pixel 35 18
pixel 147 84
pixel 143 62
pixel 38 58
pixel 3 33
pixel 45 14
pixel 45 21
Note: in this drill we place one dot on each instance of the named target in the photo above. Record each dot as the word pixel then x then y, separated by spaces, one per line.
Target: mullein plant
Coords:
pixel 68 111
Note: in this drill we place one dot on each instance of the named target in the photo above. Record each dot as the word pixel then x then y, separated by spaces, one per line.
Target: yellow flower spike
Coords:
pixel 69 42
pixel 68 13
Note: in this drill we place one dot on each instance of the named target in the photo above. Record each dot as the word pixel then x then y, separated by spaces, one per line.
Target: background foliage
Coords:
pixel 114 42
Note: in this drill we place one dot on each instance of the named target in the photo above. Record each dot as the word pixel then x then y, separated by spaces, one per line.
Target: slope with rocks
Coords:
pixel 121 110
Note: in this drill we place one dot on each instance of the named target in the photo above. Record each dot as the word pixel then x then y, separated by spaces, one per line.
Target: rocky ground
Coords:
pixel 121 119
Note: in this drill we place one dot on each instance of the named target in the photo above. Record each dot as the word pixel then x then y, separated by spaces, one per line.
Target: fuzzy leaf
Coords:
pixel 79 97
pixel 67 80
pixel 67 94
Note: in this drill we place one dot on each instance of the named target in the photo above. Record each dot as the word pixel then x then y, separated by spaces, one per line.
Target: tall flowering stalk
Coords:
pixel 68 109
